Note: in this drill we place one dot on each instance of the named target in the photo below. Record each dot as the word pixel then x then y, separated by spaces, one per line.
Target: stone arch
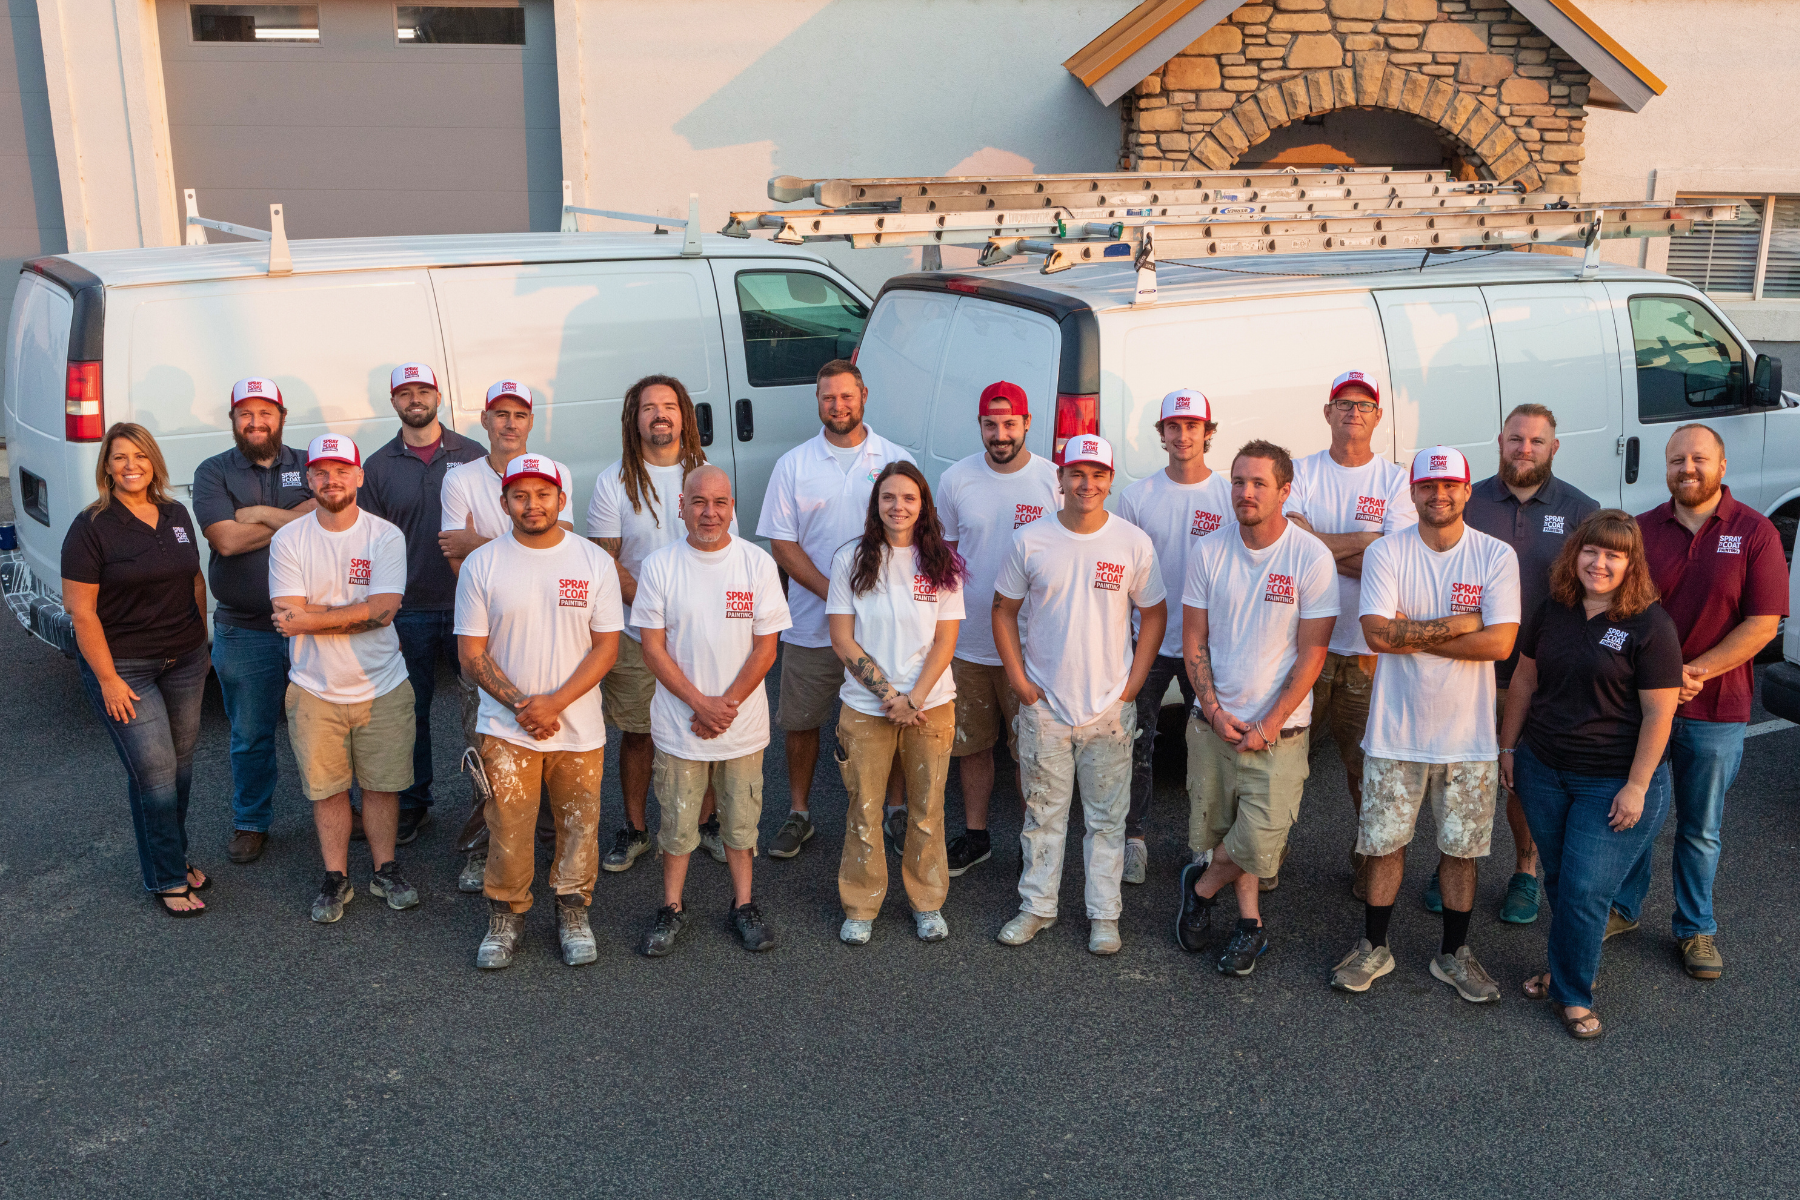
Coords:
pixel 1486 139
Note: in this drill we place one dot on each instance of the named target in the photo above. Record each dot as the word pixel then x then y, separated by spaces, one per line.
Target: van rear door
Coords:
pixel 45 496
pixel 989 342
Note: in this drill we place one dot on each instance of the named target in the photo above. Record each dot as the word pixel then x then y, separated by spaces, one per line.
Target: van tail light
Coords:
pixel 854 353
pixel 1075 415
pixel 84 417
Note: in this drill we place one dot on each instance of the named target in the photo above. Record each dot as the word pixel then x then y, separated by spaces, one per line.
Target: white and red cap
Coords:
pixel 1356 378
pixel 256 387
pixel 1186 402
pixel 333 447
pixel 535 466
pixel 1088 448
pixel 507 389
pixel 1440 462
pixel 414 372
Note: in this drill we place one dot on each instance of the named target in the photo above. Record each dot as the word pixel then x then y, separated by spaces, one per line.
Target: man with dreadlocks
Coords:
pixel 637 509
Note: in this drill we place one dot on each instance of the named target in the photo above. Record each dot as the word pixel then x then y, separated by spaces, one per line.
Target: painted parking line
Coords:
pixel 1762 727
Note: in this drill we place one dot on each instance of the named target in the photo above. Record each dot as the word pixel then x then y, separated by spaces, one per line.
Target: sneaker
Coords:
pixel 246 846
pixel 574 932
pixel 1248 943
pixel 1617 923
pixel 895 828
pixel 504 929
pixel 660 938
pixel 711 841
pixel 334 893
pixel 628 843
pixel 474 872
pixel 794 833
pixel 967 849
pixel 387 882
pixel 752 930
pixel 1137 860
pixel 855 932
pixel 1523 894
pixel 1023 928
pixel 931 925
pixel 411 821
pixel 1103 936
pixel 1434 895
pixel 1700 956
pixel 1361 967
pixel 1462 972
pixel 1193 916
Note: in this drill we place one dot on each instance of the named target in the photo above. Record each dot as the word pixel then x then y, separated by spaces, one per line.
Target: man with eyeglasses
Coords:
pixel 1348 497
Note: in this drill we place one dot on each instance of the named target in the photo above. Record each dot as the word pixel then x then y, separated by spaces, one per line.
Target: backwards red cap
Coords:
pixel 1003 400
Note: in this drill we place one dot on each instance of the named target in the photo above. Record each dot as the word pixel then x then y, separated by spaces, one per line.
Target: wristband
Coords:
pixel 1506 750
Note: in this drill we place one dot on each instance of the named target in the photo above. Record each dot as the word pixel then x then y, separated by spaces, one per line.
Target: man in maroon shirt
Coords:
pixel 1719 567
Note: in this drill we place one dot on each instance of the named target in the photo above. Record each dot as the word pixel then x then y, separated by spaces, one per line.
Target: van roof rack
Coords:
pixel 690 242
pixel 280 261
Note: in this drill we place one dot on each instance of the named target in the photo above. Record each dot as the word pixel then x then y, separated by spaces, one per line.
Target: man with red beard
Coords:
pixel 241 497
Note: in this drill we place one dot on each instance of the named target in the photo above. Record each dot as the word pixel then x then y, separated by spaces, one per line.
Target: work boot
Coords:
pixel 247 846
pixel 504 929
pixel 574 932
pixel 1023 928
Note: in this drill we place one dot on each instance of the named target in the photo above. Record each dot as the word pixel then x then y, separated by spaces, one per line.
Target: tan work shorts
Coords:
pixel 810 679
pixel 628 688
pixel 985 705
pixel 1245 802
pixel 681 787
pixel 335 745
pixel 1462 796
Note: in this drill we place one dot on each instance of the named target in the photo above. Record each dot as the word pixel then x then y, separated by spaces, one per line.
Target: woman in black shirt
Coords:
pixel 132 583
pixel 1594 695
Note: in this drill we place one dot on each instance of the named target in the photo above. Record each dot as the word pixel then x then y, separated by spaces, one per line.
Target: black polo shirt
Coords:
pixel 146 578
pixel 223 484
pixel 1535 530
pixel 397 487
pixel 1585 713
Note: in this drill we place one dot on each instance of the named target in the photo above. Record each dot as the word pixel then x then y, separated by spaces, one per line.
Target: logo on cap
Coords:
pixel 253 385
pixel 328 445
pixel 1183 403
pixel 1090 447
pixel 508 386
pixel 410 373
pixel 1440 462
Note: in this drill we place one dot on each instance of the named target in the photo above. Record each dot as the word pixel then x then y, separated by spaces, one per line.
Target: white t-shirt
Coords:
pixel 713 606
pixel 1372 498
pixel 1176 516
pixel 1081 587
pixel 896 621
pixel 537 609
pixel 610 515
pixel 472 489
pixel 812 502
pixel 367 559
pixel 1426 708
pixel 979 509
pixel 1254 602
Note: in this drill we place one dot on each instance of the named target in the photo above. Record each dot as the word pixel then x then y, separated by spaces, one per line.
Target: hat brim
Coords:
pixel 545 476
pixel 337 458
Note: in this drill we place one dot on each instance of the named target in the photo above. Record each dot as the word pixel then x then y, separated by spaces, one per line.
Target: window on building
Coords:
pixel 1756 257
pixel 442 25
pixel 255 22
pixel 794 323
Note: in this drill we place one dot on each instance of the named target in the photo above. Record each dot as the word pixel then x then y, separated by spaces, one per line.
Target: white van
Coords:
pixel 1456 339
pixel 158 337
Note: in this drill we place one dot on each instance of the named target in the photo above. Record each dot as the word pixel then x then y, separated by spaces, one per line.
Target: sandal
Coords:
pixel 205 879
pixel 163 898
pixel 1540 980
pixel 1573 1024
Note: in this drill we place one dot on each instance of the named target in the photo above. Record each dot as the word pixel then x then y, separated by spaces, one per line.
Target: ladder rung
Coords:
pixel 1189 196
pixel 837 193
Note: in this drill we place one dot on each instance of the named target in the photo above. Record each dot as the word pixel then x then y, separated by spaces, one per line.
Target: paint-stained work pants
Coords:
pixel 1052 758
pixel 572 780
pixel 866 754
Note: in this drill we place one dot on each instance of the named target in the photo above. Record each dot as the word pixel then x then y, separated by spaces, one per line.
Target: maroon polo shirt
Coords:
pixel 1711 581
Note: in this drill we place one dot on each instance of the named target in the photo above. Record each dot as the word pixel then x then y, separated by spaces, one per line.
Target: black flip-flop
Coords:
pixel 204 885
pixel 182 913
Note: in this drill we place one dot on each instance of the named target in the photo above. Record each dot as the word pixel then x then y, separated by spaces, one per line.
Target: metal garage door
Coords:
pixel 366 118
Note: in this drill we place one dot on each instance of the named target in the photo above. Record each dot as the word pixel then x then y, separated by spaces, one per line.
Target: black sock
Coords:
pixel 1249 924
pixel 979 836
pixel 1375 922
pixel 1456 930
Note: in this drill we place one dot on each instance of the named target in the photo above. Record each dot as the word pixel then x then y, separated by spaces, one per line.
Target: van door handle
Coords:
pixel 1631 460
pixel 746 421
pixel 703 419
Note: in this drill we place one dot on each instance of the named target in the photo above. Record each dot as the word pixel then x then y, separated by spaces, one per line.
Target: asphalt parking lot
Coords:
pixel 253 1053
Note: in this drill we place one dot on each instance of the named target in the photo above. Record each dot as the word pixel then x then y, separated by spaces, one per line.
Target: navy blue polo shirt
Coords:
pixel 223 484
pixel 1536 530
pixel 397 487
pixel 146 576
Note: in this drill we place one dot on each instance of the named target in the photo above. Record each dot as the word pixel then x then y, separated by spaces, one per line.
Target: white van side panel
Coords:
pixel 36 383
pixel 989 342
pixel 1446 384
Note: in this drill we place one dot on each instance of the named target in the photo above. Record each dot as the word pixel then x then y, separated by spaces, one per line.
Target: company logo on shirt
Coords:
pixel 290 479
pixel 1025 514
pixel 873 472
pixel 1553 524
pixel 1614 639
pixel 1280 589
pixel 1204 523
pixel 1108 576
pixel 572 593
pixel 1370 508
pixel 740 604
pixel 924 590
pixel 181 535
pixel 1730 544
pixel 359 571
pixel 1465 597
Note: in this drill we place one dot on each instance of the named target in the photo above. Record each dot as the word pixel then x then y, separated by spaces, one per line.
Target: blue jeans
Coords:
pixel 425 638
pixel 1586 861
pixel 157 748
pixel 252 665
pixel 1149 710
pixel 1703 758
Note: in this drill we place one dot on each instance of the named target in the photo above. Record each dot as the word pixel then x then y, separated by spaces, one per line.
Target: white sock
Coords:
pixel 799 812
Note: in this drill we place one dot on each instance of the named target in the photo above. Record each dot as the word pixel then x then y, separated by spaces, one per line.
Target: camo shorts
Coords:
pixel 1462 799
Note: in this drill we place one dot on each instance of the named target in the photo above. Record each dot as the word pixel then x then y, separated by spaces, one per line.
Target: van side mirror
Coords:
pixel 1765 387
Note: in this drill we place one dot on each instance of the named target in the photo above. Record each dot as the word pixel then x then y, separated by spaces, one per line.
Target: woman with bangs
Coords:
pixel 1594 695
pixel 895 604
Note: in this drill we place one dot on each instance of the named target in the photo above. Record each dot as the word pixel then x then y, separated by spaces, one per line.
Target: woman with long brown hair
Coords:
pixel 1594 696
pixel 895 604
pixel 133 586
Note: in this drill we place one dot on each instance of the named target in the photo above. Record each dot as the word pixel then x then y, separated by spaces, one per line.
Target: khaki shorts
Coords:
pixel 985 704
pixel 1244 802
pixel 336 745
pixel 1462 799
pixel 810 679
pixel 681 787
pixel 628 688
pixel 1341 702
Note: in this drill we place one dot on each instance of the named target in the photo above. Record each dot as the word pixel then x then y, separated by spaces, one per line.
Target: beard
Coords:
pixel 415 418
pixel 1534 476
pixel 841 427
pixel 700 533
pixel 536 523
pixel 662 433
pixel 336 504
pixel 267 448
pixel 1706 489
pixel 1004 451
pixel 1430 517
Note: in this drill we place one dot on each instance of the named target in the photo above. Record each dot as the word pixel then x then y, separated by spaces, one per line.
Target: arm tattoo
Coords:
pixel 611 545
pixel 1200 674
pixel 492 680
pixel 870 675
pixel 347 627
pixel 1418 635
